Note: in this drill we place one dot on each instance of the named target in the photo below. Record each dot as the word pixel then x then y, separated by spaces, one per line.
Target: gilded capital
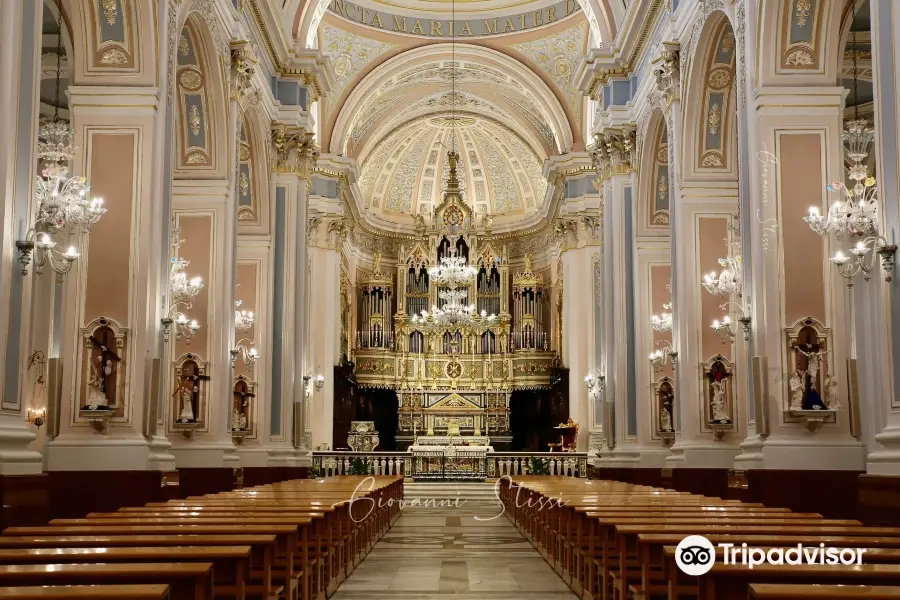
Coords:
pixel 243 66
pixel 667 69
pixel 293 151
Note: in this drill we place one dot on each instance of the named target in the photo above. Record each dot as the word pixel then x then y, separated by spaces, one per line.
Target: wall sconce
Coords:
pixel 726 329
pixel 596 385
pixel 659 358
pixel 850 266
pixel 318 381
pixel 248 353
pixel 36 416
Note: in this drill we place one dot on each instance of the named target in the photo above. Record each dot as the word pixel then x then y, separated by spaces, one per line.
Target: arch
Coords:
pixel 710 150
pixel 804 44
pixel 602 17
pixel 655 192
pixel 200 99
pixel 253 161
pixel 391 70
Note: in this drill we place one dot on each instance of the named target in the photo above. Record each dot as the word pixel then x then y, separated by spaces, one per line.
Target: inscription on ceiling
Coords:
pixel 446 28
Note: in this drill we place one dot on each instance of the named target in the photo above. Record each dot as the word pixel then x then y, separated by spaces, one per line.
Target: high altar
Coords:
pixel 455 337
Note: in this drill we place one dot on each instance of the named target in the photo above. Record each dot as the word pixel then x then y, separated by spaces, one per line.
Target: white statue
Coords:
pixel 665 420
pixel 796 384
pixel 96 396
pixel 187 411
pixel 238 420
pixel 719 413
pixel 832 399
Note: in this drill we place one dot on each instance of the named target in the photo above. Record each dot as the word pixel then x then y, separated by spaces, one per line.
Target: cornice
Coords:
pixel 599 66
pixel 289 61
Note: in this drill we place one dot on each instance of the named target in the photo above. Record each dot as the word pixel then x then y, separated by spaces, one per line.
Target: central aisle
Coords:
pixel 436 553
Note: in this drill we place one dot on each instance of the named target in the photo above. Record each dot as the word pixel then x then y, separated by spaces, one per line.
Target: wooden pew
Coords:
pixel 622 520
pixel 262 549
pixel 303 564
pixel 87 592
pixel 231 564
pixel 285 537
pixel 776 591
pixel 676 580
pixel 733 581
pixel 186 581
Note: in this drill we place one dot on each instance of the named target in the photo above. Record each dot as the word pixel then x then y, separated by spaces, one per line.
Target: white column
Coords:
pixel 20 40
pixel 324 336
pixel 577 335
pixel 877 339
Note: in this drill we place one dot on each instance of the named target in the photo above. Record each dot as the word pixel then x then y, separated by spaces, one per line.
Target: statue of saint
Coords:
pixel 796 386
pixel 665 413
pixel 96 395
pixel 812 400
pixel 717 405
pixel 185 393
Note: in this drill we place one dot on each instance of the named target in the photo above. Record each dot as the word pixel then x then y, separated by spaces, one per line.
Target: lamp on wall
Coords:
pixel 660 357
pixel 313 381
pixel 726 328
pixel 64 209
pixel 596 385
pixel 248 353
pixel 182 292
pixel 856 215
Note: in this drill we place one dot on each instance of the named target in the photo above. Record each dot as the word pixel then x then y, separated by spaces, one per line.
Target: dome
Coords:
pixel 406 173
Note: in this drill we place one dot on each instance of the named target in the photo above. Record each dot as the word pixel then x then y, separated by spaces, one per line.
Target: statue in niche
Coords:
pixel 240 408
pixel 718 390
pixel 667 402
pixel 102 370
pixel 719 414
pixel 810 361
pixel 187 391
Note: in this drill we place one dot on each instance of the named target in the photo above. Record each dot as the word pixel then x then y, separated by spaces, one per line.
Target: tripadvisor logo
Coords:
pixel 695 555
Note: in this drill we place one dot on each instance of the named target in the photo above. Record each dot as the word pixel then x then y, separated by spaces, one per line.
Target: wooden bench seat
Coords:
pixel 776 591
pixel 733 581
pixel 286 540
pixel 186 581
pixel 231 564
pixel 87 592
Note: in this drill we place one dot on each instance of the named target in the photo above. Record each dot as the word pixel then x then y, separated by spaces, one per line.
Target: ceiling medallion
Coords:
pixel 453 121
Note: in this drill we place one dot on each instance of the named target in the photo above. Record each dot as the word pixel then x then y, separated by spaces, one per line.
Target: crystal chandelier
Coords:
pixel 453 314
pixel 663 321
pixel 182 291
pixel 856 216
pixel 452 272
pixel 243 320
pixel 63 208
pixel 729 281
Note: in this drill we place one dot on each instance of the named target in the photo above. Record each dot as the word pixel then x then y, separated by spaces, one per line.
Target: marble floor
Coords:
pixel 436 553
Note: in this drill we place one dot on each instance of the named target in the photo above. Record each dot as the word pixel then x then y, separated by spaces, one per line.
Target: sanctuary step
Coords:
pixel 469 491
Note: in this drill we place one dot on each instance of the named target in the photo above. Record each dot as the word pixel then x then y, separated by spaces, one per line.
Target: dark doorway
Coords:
pixel 380 406
pixel 535 413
